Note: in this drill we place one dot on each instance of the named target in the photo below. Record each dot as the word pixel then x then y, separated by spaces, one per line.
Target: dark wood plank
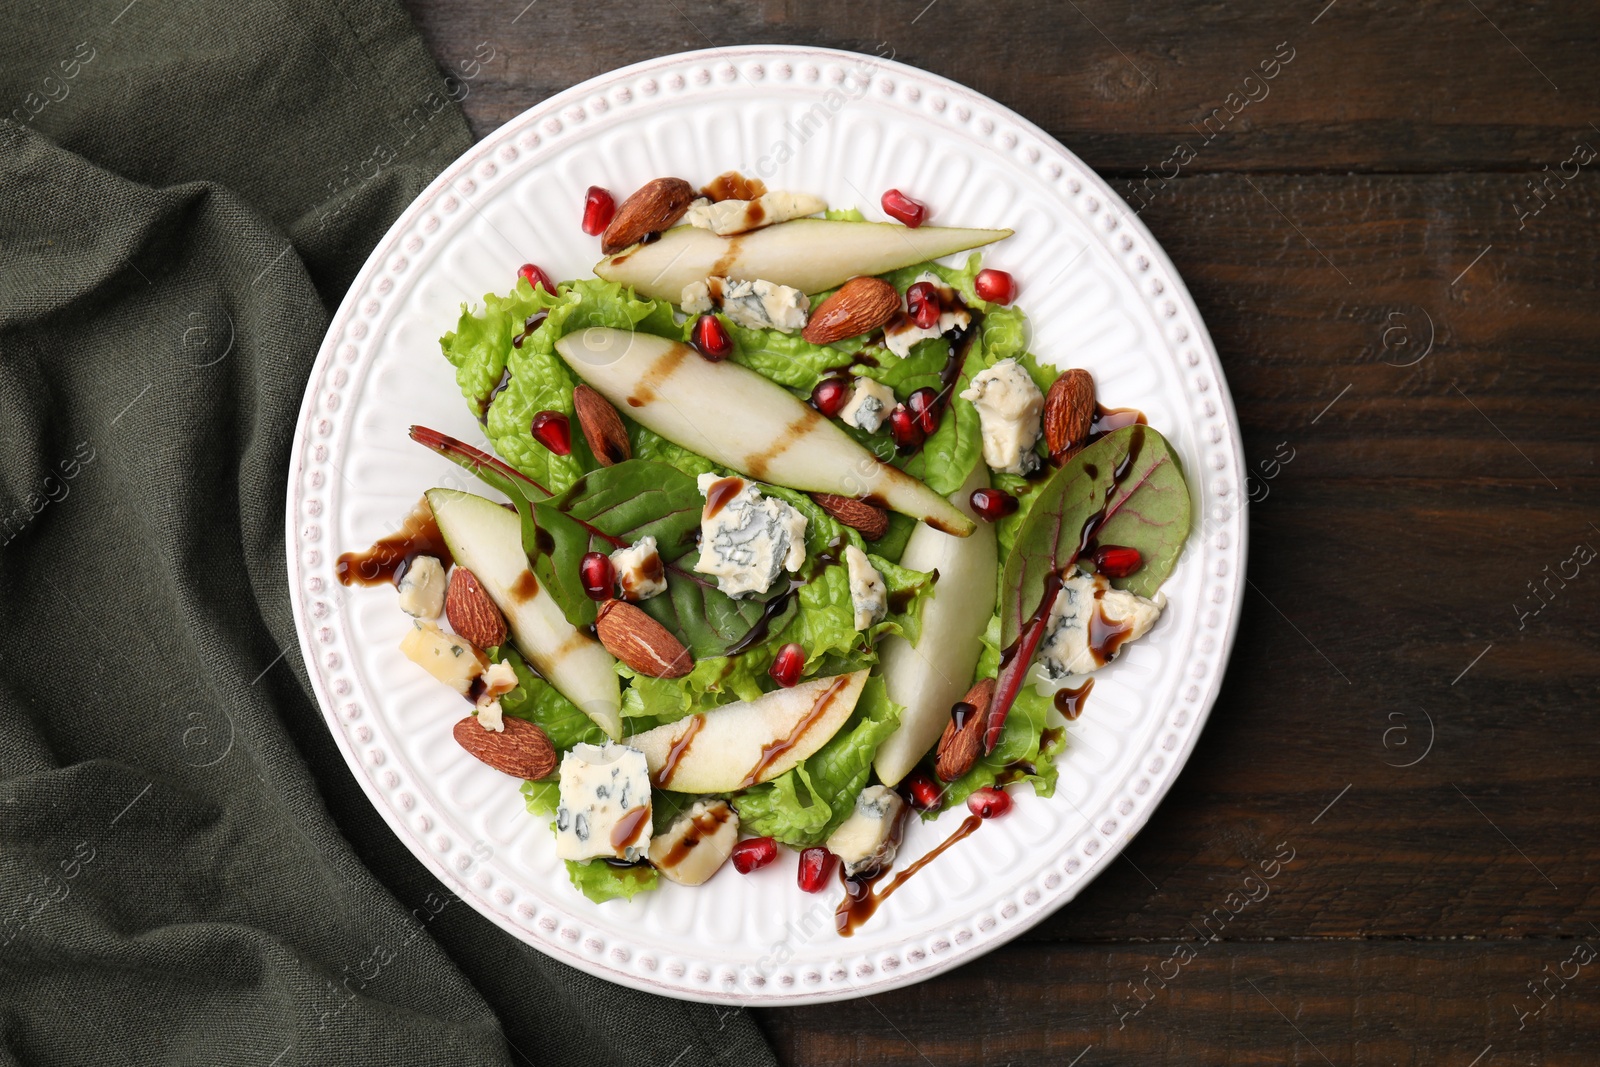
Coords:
pixel 1452 1004
pixel 1426 86
pixel 1434 489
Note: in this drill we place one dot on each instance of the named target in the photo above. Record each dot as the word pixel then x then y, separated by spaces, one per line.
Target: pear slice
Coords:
pixel 735 417
pixel 740 745
pixel 929 677
pixel 811 255
pixel 486 538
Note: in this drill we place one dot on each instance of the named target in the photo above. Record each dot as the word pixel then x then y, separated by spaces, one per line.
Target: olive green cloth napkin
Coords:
pixel 188 872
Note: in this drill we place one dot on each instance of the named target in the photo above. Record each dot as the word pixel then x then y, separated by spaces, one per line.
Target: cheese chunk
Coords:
pixel 696 298
pixel 605 804
pixel 1009 408
pixel 451 659
pixel 729 217
pixel 866 842
pixel 756 305
pixel 902 333
pixel 1089 624
pixel 496 682
pixel 868 595
pixel 639 570
pixel 869 404
pixel 422 585
pixel 747 538
pixel 698 843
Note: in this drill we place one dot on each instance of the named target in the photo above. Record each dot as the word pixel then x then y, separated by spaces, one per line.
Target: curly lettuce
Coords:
pixel 481 349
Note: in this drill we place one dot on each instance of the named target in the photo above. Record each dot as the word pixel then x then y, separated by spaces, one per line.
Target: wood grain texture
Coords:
pixel 1229 1002
pixel 1408 331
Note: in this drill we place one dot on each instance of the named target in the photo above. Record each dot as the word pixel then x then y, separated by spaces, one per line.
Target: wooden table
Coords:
pixel 1412 698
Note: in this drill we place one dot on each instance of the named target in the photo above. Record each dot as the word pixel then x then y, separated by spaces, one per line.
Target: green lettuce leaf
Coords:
pixel 542 797
pixel 789 359
pixel 802 806
pixel 600 881
pixel 481 349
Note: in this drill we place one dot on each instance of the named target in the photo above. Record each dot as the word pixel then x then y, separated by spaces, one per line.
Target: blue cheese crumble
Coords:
pixel 868 595
pixel 729 217
pixel 1067 648
pixel 747 538
pixel 1009 409
pixel 755 305
pixel 605 804
pixel 640 574
pixel 869 404
pixel 866 842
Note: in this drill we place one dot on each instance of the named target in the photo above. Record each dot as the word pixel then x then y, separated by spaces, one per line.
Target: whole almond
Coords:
pixel 1069 411
pixel 871 520
pixel 657 206
pixel 521 750
pixel 470 611
pixel 860 305
pixel 602 426
pixel 958 749
pixel 640 642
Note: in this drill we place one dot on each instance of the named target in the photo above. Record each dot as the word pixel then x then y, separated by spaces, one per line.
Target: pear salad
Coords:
pixel 787 536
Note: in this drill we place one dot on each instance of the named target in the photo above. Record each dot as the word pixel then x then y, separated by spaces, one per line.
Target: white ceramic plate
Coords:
pixel 1100 295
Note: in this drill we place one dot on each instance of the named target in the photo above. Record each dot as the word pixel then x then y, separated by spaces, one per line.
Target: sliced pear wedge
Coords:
pixel 744 744
pixel 812 255
pixel 737 418
pixel 486 538
pixel 929 677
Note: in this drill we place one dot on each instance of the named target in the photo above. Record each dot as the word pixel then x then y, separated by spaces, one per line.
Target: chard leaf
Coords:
pixel 708 620
pixel 603 511
pixel 1147 509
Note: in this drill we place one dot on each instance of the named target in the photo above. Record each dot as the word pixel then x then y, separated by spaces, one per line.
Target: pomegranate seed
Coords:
pixel 815 863
pixel 903 427
pixel 831 395
pixel 995 286
pixel 902 208
pixel 924 407
pixel 753 854
pixel 536 277
pixel 925 792
pixel 924 305
pixel 711 338
pixel 597 574
pixel 1115 561
pixel 788 664
pixel 598 207
pixel 989 802
pixel 992 504
pixel 553 431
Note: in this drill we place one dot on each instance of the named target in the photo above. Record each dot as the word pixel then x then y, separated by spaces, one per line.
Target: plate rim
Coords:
pixel 1233 524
